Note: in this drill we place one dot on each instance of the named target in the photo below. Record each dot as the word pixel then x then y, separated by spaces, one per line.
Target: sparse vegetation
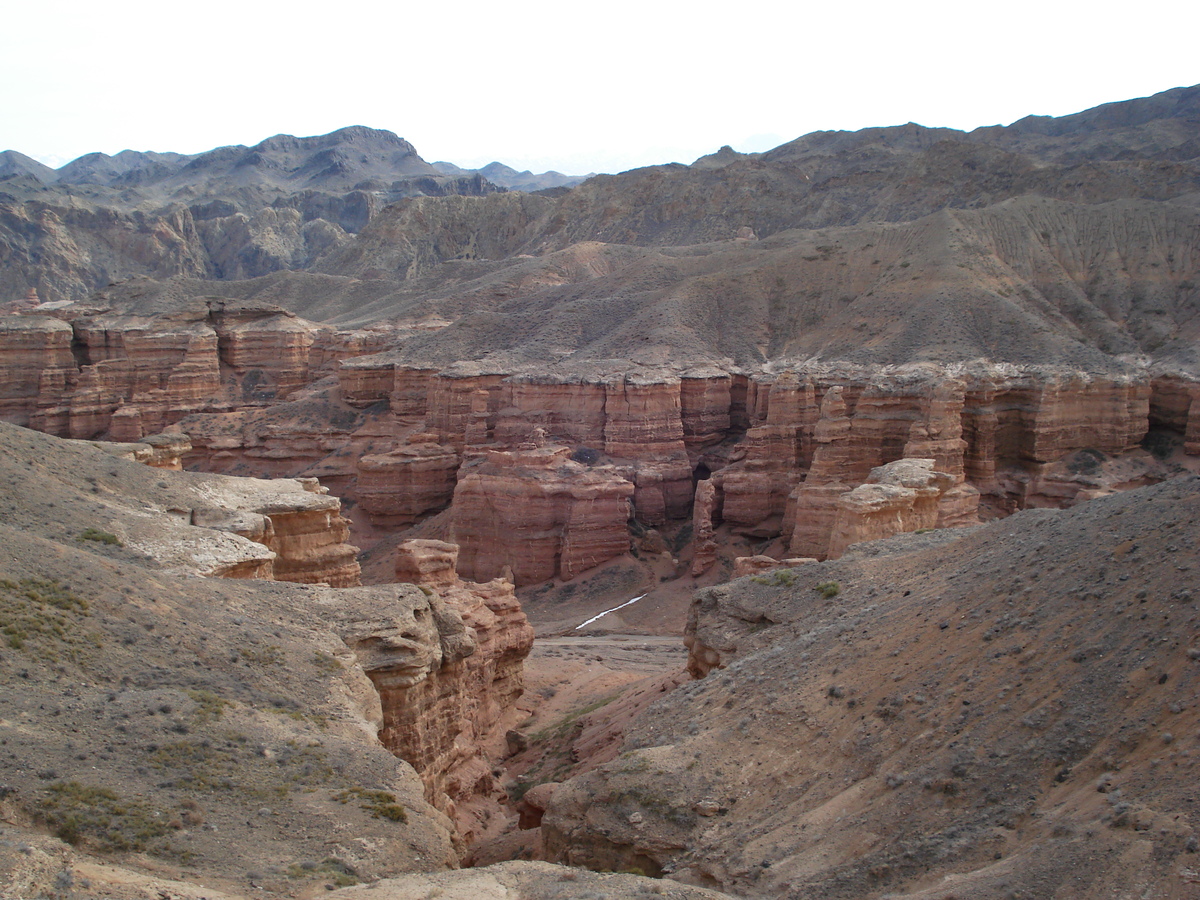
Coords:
pixel 45 619
pixel 203 764
pixel 268 655
pixel 336 872
pixel 209 707
pixel 380 804
pixel 100 537
pixel 560 728
pixel 829 589
pixel 101 819
pixel 778 578
pixel 325 662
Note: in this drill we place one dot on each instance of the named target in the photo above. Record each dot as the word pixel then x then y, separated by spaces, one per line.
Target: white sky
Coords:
pixel 559 85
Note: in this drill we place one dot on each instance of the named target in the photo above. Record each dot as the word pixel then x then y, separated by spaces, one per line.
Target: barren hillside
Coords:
pixel 1009 713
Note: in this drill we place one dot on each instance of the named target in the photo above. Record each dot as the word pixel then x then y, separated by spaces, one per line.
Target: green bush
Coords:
pixel 98 817
pixel 100 536
pixel 45 619
pixel 380 804
pixel 829 589
pixel 778 578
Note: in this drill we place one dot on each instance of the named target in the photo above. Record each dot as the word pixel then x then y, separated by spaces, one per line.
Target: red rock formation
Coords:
pixel 706 401
pixel 777 451
pixel 36 366
pixel 540 513
pixel 900 497
pixel 269 349
pixel 397 488
pixel 1014 420
pixel 462 407
pixel 643 418
pixel 570 410
pixel 704 552
pixel 294 518
pixel 366 381
pixel 155 372
pixel 806 437
pixel 446 674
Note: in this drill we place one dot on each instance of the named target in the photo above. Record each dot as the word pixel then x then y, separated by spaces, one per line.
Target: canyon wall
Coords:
pixel 123 377
pixel 782 447
pixel 518 457
pixel 447 675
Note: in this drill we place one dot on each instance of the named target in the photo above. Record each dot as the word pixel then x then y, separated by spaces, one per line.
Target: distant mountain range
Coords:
pixel 508 177
pixel 349 158
pixel 1052 238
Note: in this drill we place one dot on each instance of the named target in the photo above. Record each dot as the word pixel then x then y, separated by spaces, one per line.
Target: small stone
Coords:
pixel 707 808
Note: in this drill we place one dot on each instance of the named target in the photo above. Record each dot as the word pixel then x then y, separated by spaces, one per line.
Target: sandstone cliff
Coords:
pixel 448 677
pixel 126 376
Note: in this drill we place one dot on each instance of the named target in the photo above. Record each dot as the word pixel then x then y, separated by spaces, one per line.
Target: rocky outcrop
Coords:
pixel 399 487
pixel 447 673
pixel 540 513
pixel 124 377
pixel 36 365
pixel 900 497
pixel 295 519
pixel 159 451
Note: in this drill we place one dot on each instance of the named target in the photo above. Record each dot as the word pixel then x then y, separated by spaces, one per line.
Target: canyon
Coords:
pixel 896 431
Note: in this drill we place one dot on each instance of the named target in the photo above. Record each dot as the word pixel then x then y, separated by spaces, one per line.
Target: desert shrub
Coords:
pixel 45 619
pixel 209 707
pixel 829 589
pixel 777 578
pixel 99 536
pixel 100 818
pixel 380 804
pixel 267 655
pixel 326 662
pixel 203 764
pixel 560 728
pixel 341 874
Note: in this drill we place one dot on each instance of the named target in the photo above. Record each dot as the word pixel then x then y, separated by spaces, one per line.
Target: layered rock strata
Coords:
pixel 782 448
pixel 36 365
pixel 397 488
pixel 446 674
pixel 123 377
pixel 295 519
pixel 538 513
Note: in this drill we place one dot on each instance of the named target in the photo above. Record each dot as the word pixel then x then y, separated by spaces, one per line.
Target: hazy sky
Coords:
pixel 568 86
